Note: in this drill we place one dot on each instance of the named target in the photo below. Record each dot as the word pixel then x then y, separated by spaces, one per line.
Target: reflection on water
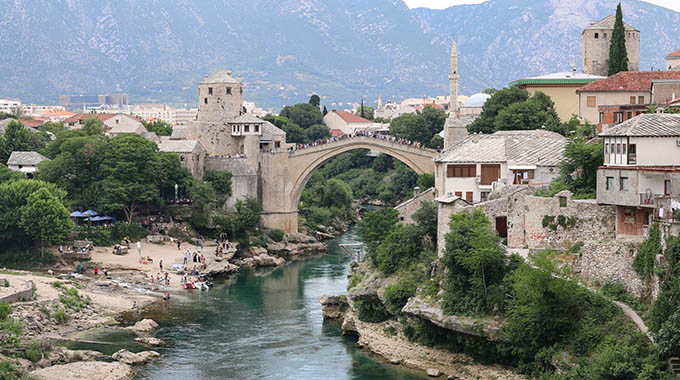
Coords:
pixel 265 326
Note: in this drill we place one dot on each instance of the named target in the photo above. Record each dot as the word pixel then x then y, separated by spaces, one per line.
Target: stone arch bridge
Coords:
pixel 284 174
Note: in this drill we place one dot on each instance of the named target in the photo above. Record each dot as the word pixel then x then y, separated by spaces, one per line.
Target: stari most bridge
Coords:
pixel 284 174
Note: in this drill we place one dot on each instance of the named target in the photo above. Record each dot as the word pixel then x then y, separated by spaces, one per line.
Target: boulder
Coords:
pixel 131 358
pixel 333 306
pixel 215 268
pixel 264 260
pixel 144 326
pixel 150 341
pixel 85 371
pixel 433 372
pixel 300 238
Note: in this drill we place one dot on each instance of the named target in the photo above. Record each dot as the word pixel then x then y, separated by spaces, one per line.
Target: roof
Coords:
pixel 221 76
pixel 270 130
pixel 336 132
pixel 84 116
pixel 535 147
pixel 674 54
pixel 33 123
pixel 562 77
pixel 629 81
pixel 461 121
pixel 25 158
pixel 607 23
pixel 178 146
pixel 476 100
pixel 127 128
pixel 647 125
pixel 179 133
pixel 246 118
pixel 350 117
pixel 151 136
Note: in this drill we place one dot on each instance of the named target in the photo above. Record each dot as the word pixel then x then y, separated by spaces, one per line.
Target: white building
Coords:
pixel 472 168
pixel 348 123
pixel 163 112
pixel 25 162
pixel 474 104
pixel 9 105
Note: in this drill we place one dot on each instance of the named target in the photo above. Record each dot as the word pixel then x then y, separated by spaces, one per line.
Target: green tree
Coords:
pixel 411 126
pixel 534 113
pixel 425 181
pixel 367 112
pixel 489 91
pixel 6 174
pixel 45 218
pixel 128 175
pixel 325 111
pixel 401 246
pixel 93 126
pixel 426 219
pixel 278 121
pixel 435 118
pixel 248 213
pixel 294 134
pixel 220 181
pixel 16 138
pixel 383 163
pixel 317 132
pixel 315 100
pixel 578 169
pixel 374 227
pixel 171 172
pixel 302 114
pixel 485 123
pixel 159 127
pixel 644 260
pixel 618 57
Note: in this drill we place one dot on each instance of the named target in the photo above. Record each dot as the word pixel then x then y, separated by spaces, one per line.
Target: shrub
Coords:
pixel 5 311
pixel 12 326
pixel 8 371
pixel 353 281
pixel 371 311
pixel 27 259
pixel 43 309
pixel 276 234
pixel 317 215
pixel 61 316
pixel 402 246
pixel 397 295
pixel 32 354
pixel 390 331
pixel 644 260
pixel 132 231
pixel 6 283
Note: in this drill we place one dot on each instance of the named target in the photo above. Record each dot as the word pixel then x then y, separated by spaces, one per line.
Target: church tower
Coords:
pixel 453 80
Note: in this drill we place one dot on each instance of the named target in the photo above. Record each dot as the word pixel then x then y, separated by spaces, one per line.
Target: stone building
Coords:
pixel 25 162
pixel 191 154
pixel 595 42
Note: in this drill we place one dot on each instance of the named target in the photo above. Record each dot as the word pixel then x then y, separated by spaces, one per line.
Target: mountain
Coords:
pixel 158 50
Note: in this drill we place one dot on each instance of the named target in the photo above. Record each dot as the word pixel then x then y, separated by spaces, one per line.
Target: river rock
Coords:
pixel 150 341
pixel 349 326
pixel 333 306
pixel 103 283
pixel 264 260
pixel 299 238
pixel 215 268
pixel 85 371
pixel 433 372
pixel 132 358
pixel 144 326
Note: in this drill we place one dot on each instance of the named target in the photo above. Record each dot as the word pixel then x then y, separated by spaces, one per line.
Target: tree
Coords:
pixel 129 170
pixel 248 213
pixel 426 219
pixel 93 126
pixel 374 227
pixel 302 114
pixel 489 91
pixel 337 194
pixel 220 181
pixel 278 121
pixel 16 138
pixel 401 246
pixel 325 111
pixel 534 113
pixel 383 163
pixel 315 100
pixel 425 181
pixel 618 57
pixel 294 134
pixel 317 132
pixel 171 173
pixel 6 174
pixel 578 169
pixel 159 127
pixel 45 218
pixel 411 126
pixel 435 118
pixel 367 112
pixel 485 123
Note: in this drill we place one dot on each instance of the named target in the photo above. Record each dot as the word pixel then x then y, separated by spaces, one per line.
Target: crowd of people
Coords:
pixel 232 155
pixel 379 136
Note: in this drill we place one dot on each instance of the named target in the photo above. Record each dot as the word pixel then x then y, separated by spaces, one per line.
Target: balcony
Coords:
pixel 647 199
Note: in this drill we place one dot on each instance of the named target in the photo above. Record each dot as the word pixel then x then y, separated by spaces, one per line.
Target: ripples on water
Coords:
pixel 266 325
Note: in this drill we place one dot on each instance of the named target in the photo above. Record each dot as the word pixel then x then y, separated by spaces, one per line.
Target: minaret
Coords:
pixel 453 80
pixel 380 101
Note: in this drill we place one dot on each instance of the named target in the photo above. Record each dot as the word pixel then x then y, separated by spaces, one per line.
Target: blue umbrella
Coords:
pixel 77 214
pixel 95 219
pixel 90 213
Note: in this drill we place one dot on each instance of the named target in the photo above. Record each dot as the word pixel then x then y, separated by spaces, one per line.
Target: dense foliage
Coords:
pixel 618 56
pixel 420 126
pixel 159 127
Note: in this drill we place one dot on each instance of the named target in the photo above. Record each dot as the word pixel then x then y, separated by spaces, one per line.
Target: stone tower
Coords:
pixel 220 98
pixel 453 80
pixel 596 39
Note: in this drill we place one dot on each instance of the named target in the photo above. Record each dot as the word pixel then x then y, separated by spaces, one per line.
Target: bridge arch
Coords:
pixel 420 160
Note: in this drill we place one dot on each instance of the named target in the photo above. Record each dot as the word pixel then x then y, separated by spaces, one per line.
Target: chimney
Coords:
pixel 620 82
pixel 228 72
pixel 416 191
pixel 475 138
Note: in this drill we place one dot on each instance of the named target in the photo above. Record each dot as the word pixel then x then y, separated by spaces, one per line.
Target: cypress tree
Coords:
pixel 618 56
pixel 362 108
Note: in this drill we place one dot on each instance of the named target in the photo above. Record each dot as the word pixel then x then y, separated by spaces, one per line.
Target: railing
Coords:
pixel 648 198
pixel 397 143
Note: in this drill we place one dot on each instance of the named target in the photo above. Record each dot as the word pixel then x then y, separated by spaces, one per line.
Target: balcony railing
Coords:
pixel 648 199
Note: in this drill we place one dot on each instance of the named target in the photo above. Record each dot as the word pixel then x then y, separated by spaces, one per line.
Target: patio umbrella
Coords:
pixel 77 214
pixel 90 213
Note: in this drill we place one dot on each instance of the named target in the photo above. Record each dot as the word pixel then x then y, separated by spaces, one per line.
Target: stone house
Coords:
pixel 76 121
pixel 561 87
pixel 626 88
pixel 640 175
pixel 479 164
pixel 25 162
pixel 191 154
pixel 595 42
pixel 122 123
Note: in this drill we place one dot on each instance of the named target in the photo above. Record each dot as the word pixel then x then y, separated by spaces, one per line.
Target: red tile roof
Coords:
pixel 33 123
pixel 674 54
pixel 350 117
pixel 629 81
pixel 84 116
pixel 423 106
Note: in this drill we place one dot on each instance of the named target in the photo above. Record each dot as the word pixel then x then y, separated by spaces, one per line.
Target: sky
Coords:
pixel 441 4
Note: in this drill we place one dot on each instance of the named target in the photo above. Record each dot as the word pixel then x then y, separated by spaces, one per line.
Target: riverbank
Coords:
pixel 67 305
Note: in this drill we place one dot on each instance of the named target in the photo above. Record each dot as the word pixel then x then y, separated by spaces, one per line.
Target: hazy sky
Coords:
pixel 441 4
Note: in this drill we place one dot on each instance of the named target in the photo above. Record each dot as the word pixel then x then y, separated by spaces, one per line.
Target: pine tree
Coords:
pixel 325 111
pixel 618 57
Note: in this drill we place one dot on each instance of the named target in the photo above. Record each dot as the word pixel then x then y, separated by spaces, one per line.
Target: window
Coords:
pixel 591 101
pixel 209 90
pixel 667 187
pixel 610 183
pixel 606 148
pixel 597 35
pixel 632 100
pixel 228 90
pixel 618 117
pixel 257 128
pixel 624 149
pixel 604 35
pixel 461 171
pixel 484 196
pixel 522 177
pixel 277 144
pixel 641 99
pixel 618 148
pixel 624 184
pixel 468 196
pixel 459 194
pixel 629 115
pixel 205 100
pixel 601 117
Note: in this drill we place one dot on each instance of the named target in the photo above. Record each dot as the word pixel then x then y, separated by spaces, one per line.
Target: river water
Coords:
pixel 266 325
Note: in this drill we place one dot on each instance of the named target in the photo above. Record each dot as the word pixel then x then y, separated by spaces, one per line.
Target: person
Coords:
pixel 160 264
pixel 139 248
pixel 96 270
pixel 186 256
pixel 106 272
pixel 134 305
pixel 61 249
pixel 179 243
pixel 166 297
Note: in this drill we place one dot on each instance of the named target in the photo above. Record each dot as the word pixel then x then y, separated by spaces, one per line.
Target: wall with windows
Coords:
pixel 618 187
pixel 590 101
pixel 468 182
pixel 657 150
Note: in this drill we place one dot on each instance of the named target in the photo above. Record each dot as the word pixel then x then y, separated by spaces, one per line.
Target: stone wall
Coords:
pixel 23 292
pixel 601 262
pixel 409 207
pixel 243 177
